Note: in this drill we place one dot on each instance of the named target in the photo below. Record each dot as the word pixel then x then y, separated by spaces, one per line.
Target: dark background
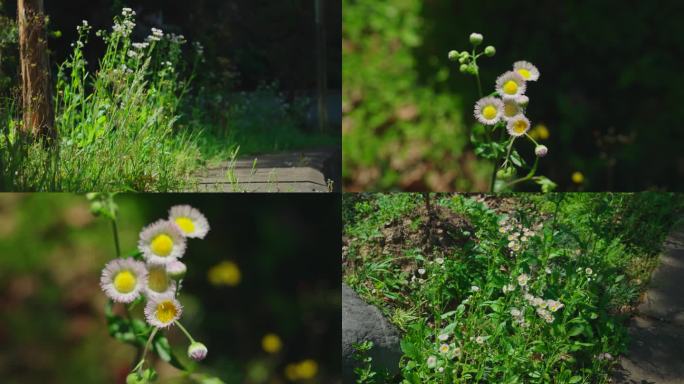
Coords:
pixel 610 89
pixel 249 42
pixel 287 248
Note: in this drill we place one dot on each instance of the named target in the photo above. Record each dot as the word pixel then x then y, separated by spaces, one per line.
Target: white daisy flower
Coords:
pixel 554 305
pixel 511 109
pixel 474 288
pixel 508 288
pixel 515 312
pixel 159 283
pixel 161 242
pixel 443 337
pixel 431 361
pixel 488 110
pixel 511 85
pixel 518 126
pixel 527 70
pixel 122 280
pixel 162 311
pixel 191 221
pixel 588 271
pixel 444 348
pixel 523 279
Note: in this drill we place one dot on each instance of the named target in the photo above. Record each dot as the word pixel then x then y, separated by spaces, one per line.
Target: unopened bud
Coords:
pixel 454 55
pixel 475 39
pixel 541 150
pixel 490 51
pixel 197 351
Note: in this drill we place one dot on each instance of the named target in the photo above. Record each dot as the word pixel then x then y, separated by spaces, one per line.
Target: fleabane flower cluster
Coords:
pixel 156 278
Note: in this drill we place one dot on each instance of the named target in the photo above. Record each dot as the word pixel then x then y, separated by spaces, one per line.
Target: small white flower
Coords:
pixel 548 270
pixel 480 340
pixel 122 280
pixel 140 46
pixel 515 312
pixel 443 337
pixel 510 85
pixel 474 288
pixel 523 279
pixel 440 369
pixel 162 312
pixel 439 260
pixel 444 348
pixel 191 222
pixel 489 110
pixel 421 271
pixel 554 305
pixel 518 126
pixel 508 288
pixel 431 361
pixel 161 242
pixel 511 109
pixel 527 70
pixel 522 100
pixel 159 283
pixel 588 271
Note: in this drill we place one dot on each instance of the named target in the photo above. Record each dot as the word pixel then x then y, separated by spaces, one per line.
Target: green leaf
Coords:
pixel 517 159
pixel 409 349
pixel 163 349
pixel 575 331
pixel 546 184
pixel 575 379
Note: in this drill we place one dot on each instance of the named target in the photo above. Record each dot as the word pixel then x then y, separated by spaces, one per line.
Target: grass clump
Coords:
pixel 518 289
pixel 117 126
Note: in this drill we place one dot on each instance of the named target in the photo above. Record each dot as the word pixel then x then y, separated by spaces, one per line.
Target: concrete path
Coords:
pixel 656 354
pixel 300 171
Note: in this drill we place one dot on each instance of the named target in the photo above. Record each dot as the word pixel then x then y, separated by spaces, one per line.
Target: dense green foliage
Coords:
pixel 407 110
pixel 517 289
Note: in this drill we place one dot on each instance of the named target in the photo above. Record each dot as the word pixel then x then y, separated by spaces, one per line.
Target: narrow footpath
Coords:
pixel 299 171
pixel 656 354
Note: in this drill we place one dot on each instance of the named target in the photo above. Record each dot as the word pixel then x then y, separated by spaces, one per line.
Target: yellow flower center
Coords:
pixel 162 245
pixel 166 311
pixel 510 109
pixel 520 126
pixel 157 280
pixel 510 87
pixel 524 73
pixel 489 112
pixel 124 281
pixel 185 224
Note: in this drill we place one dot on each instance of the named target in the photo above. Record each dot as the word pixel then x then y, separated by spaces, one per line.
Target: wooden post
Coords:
pixel 35 70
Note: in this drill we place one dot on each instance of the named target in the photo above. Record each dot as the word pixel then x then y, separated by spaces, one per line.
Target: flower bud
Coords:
pixel 454 55
pixel 176 269
pixel 541 150
pixel 463 68
pixel 197 351
pixel 490 51
pixel 475 39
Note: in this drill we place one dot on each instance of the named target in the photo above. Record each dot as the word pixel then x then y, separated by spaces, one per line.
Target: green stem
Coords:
pixel 182 328
pixel 528 176
pixel 498 158
pixel 116 238
pixel 147 347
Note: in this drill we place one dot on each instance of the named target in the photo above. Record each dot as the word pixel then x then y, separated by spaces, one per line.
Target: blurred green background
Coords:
pixel 269 265
pixel 609 92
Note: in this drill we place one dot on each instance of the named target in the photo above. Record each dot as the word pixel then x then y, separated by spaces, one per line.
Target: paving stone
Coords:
pixel 656 353
pixel 364 322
